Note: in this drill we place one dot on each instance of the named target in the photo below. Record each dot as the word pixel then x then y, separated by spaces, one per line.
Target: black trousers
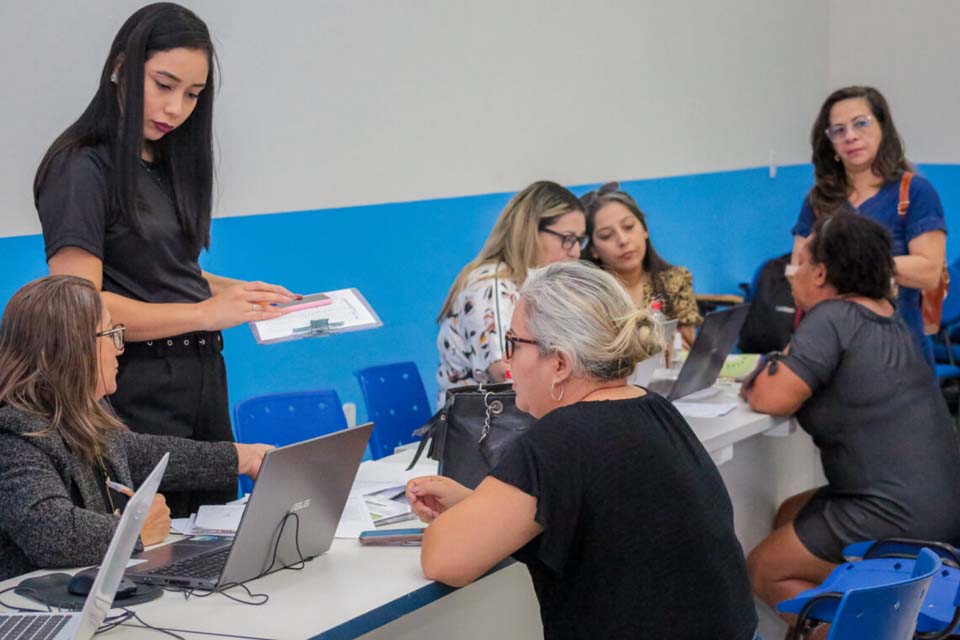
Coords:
pixel 177 387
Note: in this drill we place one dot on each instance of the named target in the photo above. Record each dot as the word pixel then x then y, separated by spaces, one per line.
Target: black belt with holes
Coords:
pixel 187 344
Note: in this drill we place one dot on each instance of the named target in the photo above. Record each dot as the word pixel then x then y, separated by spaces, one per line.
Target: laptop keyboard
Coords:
pixel 206 566
pixel 31 627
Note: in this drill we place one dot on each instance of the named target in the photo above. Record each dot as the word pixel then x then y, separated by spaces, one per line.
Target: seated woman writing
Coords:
pixel 610 499
pixel 858 383
pixel 59 444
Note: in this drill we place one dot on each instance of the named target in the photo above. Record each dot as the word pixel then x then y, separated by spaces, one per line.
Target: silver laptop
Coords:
pixel 291 516
pixel 82 626
pixel 717 336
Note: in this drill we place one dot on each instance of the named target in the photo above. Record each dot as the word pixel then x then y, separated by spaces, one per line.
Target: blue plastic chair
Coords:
pixel 396 404
pixel 861 603
pixel 284 418
pixel 940 613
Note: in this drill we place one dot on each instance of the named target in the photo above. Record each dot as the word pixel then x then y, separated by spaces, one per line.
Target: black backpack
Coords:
pixel 769 324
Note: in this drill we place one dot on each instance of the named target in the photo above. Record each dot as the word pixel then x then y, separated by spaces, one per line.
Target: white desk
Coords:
pixel 379 593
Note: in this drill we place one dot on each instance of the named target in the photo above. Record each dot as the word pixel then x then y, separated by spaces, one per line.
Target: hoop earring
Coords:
pixel 553 388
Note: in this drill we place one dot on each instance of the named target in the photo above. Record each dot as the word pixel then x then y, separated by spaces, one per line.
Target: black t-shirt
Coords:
pixel 878 417
pixel 74 207
pixel 638 538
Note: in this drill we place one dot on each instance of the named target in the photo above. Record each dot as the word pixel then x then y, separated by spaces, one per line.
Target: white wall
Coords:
pixel 329 103
pixel 909 50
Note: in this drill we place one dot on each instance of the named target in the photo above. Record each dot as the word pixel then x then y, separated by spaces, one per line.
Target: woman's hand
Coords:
pixel 157 525
pixel 250 457
pixel 429 496
pixel 244 302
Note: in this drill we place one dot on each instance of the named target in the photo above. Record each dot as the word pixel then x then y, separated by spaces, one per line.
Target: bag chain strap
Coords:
pixel 486 419
pixel 495 407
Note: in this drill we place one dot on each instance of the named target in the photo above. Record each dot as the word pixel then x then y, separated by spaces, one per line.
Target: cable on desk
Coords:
pixel 112 622
pixel 38 594
pixel 296 541
pixel 222 590
pixel 131 615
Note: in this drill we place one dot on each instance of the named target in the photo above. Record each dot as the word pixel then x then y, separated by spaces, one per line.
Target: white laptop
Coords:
pixel 82 625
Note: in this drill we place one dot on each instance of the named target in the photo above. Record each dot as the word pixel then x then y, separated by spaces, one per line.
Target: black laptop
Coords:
pixel 291 516
pixel 717 336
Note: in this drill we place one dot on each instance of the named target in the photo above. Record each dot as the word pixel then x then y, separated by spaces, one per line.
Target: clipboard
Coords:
pixel 318 315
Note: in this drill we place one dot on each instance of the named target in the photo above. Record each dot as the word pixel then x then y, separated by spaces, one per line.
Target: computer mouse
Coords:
pixel 82 582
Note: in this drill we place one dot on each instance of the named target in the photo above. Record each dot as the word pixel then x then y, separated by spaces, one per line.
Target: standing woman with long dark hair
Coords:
pixel 859 161
pixel 125 197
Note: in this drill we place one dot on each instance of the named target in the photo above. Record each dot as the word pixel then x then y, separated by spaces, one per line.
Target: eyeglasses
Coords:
pixel 568 240
pixel 838 132
pixel 116 333
pixel 510 343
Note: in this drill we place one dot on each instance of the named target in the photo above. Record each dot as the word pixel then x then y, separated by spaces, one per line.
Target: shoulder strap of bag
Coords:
pixel 903 202
pixel 428 432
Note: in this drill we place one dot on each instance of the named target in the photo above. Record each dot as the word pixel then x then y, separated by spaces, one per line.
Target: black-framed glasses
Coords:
pixel 510 341
pixel 838 132
pixel 116 334
pixel 568 240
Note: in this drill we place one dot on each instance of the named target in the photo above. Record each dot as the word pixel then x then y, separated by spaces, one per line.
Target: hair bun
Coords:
pixel 609 187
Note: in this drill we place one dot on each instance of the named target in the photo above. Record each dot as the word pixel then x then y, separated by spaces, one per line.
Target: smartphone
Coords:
pixel 306 302
pixel 402 537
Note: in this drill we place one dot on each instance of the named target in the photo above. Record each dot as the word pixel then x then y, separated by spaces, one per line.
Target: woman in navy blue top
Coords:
pixel 858 161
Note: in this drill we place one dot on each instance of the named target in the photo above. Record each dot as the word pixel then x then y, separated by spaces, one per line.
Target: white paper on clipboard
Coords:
pixel 348 311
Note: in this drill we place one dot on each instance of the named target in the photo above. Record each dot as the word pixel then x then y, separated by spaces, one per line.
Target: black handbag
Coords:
pixel 470 434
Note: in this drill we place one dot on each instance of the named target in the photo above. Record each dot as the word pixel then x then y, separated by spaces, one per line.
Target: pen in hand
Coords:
pixel 120 488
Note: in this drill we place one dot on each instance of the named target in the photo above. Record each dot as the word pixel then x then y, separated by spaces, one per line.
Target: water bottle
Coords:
pixel 657 315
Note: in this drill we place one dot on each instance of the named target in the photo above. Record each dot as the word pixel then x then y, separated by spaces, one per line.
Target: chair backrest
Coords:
pixel 284 418
pixel 396 404
pixel 885 612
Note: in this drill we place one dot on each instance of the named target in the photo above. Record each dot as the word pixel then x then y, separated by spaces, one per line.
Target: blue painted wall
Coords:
pixel 404 256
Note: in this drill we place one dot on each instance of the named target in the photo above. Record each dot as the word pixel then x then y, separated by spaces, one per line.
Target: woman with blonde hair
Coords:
pixel 540 225
pixel 61 444
pixel 609 499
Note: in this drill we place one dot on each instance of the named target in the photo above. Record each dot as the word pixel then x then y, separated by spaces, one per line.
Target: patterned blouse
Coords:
pixel 679 302
pixel 471 335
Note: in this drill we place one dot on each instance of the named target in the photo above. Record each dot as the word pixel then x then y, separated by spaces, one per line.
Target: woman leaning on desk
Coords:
pixel 542 224
pixel 620 243
pixel 124 198
pixel 858 383
pixel 59 442
pixel 858 160
pixel 609 499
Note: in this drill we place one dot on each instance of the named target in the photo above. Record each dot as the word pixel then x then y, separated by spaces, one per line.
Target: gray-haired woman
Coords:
pixel 609 499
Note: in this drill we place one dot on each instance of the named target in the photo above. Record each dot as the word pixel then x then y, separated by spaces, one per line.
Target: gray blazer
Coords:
pixel 53 511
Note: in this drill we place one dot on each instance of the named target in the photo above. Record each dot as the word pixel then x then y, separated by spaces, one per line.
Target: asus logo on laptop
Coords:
pixel 300 506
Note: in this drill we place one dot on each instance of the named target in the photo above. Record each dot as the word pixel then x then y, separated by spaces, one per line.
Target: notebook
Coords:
pixel 82 626
pixel 291 516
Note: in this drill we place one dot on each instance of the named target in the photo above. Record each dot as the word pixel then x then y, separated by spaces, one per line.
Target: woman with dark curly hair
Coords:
pixel 859 164
pixel 858 383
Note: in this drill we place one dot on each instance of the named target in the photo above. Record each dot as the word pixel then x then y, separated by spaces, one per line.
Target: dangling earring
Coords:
pixel 836 158
pixel 553 388
pixel 113 77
